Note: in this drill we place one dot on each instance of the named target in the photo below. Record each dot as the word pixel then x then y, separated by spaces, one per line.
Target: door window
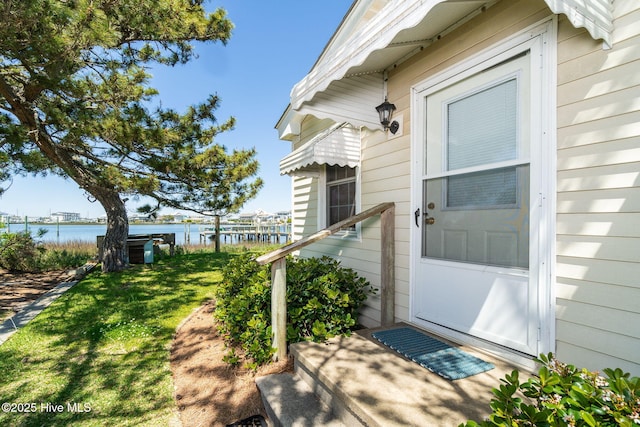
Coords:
pixel 476 181
pixel 482 127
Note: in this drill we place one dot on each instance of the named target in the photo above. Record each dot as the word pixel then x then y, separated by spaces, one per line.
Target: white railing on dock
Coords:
pixel 258 232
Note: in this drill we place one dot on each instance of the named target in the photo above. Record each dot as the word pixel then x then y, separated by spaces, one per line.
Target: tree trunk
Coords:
pixel 217 227
pixel 114 246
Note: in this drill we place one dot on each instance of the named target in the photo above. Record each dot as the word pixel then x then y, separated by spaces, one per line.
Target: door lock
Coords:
pixel 429 220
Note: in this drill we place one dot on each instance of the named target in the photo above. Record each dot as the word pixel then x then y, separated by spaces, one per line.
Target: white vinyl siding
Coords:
pixel 304 212
pixel 385 159
pixel 382 180
pixel 598 200
pixel 305 207
pixel 597 268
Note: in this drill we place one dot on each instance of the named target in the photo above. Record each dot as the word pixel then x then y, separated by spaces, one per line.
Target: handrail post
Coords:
pixel 279 274
pixel 387 267
pixel 279 308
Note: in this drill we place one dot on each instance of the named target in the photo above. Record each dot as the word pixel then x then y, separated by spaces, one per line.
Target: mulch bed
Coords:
pixel 19 289
pixel 209 391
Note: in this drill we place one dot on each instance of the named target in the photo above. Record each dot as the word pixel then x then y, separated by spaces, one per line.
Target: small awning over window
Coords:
pixel 338 145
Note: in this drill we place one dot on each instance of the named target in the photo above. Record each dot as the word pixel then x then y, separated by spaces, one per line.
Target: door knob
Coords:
pixel 429 220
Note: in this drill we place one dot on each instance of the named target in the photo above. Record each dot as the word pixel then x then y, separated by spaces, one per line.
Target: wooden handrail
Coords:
pixel 279 275
pixel 292 247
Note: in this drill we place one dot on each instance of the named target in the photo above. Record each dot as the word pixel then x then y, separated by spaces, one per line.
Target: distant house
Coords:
pixel 64 217
pixel 138 217
pixel 258 215
pixel 246 216
pixel 179 217
pixel 513 163
pixel 282 216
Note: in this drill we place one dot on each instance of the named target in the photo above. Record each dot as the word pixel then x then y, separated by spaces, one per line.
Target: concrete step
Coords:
pixel 365 383
pixel 356 381
pixel 290 402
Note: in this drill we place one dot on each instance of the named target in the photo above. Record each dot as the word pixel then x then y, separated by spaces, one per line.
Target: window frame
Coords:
pixel 323 202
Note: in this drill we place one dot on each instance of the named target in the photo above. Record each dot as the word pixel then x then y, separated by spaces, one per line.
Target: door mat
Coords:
pixel 438 357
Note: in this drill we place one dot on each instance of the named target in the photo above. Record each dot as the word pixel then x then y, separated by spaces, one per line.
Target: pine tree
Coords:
pixel 75 100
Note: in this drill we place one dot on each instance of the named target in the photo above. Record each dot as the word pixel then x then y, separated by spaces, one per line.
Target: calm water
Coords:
pixel 65 232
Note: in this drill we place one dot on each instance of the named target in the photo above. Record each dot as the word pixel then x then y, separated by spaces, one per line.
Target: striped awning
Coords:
pixel 337 145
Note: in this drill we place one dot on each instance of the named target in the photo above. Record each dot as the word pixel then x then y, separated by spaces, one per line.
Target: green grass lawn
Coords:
pixel 101 351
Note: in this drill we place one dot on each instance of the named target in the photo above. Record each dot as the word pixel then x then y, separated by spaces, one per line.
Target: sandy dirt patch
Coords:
pixel 19 289
pixel 208 391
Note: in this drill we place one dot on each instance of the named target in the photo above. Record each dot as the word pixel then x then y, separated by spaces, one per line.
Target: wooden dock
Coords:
pixel 236 233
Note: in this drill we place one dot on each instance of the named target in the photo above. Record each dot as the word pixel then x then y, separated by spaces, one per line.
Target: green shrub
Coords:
pixel 323 300
pixel 18 251
pixel 21 252
pixel 243 307
pixel 59 259
pixel 563 395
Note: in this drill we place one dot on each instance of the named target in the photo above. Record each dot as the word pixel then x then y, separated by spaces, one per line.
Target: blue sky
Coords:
pixel 273 46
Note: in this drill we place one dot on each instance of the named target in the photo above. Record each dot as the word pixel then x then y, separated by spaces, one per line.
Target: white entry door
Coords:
pixel 476 184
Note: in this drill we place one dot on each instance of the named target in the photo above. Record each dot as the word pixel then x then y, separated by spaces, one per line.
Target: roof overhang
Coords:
pixel 347 81
pixel 352 99
pixel 337 145
pixel 397 30
pixel 401 28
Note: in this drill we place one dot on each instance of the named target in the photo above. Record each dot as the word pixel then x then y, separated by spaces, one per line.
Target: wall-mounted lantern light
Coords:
pixel 385 110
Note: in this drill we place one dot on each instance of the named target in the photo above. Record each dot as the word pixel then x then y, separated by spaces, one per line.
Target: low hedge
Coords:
pixel 323 299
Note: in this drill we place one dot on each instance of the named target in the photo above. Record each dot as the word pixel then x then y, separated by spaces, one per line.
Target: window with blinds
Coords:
pixel 481 129
pixel 341 193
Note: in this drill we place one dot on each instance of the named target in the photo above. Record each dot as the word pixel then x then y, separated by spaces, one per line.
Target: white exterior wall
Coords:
pixel 363 253
pixel 598 202
pixel 598 181
pixel 385 172
pixel 304 214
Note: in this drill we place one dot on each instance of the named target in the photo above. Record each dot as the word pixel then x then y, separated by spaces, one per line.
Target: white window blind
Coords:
pixel 481 130
pixel 482 127
pixel 494 188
